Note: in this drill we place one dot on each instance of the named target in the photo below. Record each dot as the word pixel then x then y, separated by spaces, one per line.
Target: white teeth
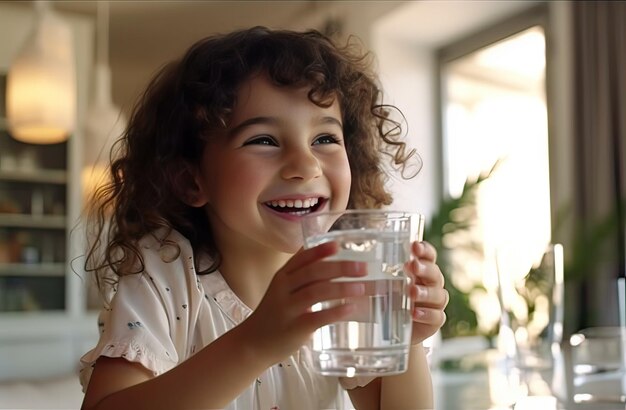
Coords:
pixel 297 203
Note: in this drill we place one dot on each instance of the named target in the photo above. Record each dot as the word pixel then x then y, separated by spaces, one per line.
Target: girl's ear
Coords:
pixel 188 186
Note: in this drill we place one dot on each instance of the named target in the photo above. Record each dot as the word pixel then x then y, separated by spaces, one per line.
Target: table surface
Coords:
pixel 484 380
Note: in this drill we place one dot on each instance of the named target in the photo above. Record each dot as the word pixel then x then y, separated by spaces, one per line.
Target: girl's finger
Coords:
pixel 410 267
pixel 314 320
pixel 325 271
pixel 308 256
pixel 429 316
pixel 429 274
pixel 424 250
pixel 429 296
pixel 327 291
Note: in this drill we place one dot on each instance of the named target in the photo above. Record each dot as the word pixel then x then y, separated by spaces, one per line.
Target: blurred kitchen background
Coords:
pixel 515 107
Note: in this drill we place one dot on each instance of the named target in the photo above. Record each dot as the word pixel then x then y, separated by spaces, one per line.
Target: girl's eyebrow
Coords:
pixel 331 120
pixel 252 121
pixel 273 120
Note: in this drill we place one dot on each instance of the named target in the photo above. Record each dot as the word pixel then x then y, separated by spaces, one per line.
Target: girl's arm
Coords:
pixel 221 371
pixel 410 390
pixel 210 379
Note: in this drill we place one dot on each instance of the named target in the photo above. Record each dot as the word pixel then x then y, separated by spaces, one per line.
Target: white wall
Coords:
pixel 407 75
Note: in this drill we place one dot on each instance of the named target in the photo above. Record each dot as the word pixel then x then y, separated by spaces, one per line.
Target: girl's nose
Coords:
pixel 301 164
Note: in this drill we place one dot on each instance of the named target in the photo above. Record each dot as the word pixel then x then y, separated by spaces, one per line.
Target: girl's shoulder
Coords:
pixel 167 257
pixel 168 246
pixel 163 238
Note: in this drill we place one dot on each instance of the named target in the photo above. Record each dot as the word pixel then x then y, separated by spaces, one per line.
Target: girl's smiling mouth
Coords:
pixel 297 207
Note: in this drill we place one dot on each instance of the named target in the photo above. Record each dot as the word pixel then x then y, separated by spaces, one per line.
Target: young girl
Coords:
pixel 198 253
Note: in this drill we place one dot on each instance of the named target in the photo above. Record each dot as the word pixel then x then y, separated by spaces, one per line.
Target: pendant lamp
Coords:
pixel 41 82
pixel 105 122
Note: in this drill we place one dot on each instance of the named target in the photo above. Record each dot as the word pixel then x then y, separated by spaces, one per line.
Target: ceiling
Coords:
pixel 144 35
pixel 156 29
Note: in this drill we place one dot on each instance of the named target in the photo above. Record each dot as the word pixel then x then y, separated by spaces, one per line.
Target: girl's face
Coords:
pixel 283 157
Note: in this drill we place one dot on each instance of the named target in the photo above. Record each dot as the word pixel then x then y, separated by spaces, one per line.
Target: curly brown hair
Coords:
pixel 189 99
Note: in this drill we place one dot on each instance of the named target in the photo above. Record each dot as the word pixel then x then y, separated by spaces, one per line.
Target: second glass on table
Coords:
pixel 375 340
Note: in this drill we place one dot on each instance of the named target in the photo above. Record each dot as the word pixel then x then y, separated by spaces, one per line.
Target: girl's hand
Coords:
pixel 427 292
pixel 283 320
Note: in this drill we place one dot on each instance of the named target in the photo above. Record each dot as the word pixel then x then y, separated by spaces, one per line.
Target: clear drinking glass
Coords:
pixel 531 322
pixel 375 340
pixel 597 356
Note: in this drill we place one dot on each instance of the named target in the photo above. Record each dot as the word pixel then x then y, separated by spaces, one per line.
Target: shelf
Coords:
pixel 32 269
pixel 39 325
pixel 33 221
pixel 42 176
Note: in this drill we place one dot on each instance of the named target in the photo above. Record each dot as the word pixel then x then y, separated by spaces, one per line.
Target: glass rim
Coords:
pixel 415 220
pixel 392 212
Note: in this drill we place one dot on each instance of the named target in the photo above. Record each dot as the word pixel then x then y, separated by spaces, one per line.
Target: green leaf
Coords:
pixel 455 215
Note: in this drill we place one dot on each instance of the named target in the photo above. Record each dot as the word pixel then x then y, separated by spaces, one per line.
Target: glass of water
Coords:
pixel 375 339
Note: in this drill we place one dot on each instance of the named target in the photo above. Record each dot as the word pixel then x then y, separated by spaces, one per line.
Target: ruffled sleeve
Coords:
pixel 148 318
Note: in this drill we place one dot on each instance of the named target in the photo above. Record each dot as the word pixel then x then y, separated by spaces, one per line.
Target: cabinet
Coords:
pixel 33 225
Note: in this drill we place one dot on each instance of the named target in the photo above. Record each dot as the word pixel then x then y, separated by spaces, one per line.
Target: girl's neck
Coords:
pixel 249 272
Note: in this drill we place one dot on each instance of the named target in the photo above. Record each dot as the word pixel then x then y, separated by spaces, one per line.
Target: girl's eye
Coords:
pixel 326 139
pixel 261 140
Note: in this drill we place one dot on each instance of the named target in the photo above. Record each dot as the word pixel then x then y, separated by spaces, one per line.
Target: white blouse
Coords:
pixel 164 315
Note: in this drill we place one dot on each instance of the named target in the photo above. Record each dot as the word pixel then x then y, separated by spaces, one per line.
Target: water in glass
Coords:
pixel 375 339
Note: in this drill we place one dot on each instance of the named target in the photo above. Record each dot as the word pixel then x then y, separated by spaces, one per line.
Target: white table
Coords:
pixel 486 383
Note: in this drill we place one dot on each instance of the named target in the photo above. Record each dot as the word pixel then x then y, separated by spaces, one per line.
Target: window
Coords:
pixel 493 109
